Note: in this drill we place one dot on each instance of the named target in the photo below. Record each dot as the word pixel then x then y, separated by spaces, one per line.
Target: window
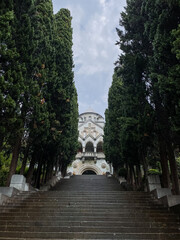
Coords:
pixel 100 147
pixel 89 147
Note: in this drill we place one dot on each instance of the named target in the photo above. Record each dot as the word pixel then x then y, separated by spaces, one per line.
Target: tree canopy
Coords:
pixel 38 98
pixel 143 103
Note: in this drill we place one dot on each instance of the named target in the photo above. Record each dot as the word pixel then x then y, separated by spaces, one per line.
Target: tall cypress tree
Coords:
pixel 23 38
pixel 43 73
pixel 163 17
pixel 10 71
pixel 65 93
pixel 146 68
pixel 12 81
pixel 34 32
pixel 38 96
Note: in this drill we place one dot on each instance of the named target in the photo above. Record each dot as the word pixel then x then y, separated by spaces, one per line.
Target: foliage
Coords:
pixel 143 114
pixel 122 172
pixel 153 172
pixel 38 98
pixel 4 168
pixel 178 165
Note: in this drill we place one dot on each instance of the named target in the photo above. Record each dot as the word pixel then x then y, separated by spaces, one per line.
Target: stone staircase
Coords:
pixel 87 207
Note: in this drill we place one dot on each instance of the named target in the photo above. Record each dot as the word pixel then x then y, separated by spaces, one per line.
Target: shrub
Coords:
pixel 154 172
pixel 122 172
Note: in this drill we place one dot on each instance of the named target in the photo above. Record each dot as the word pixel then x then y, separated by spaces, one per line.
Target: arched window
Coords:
pixel 100 147
pixel 89 147
pixel 80 149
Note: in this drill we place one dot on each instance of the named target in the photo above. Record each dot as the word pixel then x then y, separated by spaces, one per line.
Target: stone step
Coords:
pixel 86 193
pixel 66 205
pixel 104 198
pixel 76 208
pixel 72 198
pixel 81 211
pixel 84 197
pixel 90 207
pixel 165 219
pixel 76 223
pixel 85 203
pixel 88 213
pixel 84 229
pixel 88 235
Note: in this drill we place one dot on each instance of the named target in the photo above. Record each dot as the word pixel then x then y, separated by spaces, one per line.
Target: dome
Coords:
pixel 91 111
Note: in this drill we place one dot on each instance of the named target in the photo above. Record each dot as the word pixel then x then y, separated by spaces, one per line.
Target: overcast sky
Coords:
pixel 94 36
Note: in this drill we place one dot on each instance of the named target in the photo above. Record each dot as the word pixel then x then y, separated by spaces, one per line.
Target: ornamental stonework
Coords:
pixel 90 158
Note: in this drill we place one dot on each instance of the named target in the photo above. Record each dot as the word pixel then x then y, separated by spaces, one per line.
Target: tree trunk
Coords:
pixel 145 167
pixel 14 160
pixel 49 169
pixel 63 170
pixel 174 172
pixel 46 176
pixel 139 175
pixel 128 173
pixel 164 163
pixel 131 175
pixel 23 167
pixel 164 130
pixel 31 168
pixel 38 174
pixel 43 172
pixel 56 167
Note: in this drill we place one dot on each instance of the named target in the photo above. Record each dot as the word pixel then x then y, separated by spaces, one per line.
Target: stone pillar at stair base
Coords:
pixel 170 200
pixel 8 191
pixel 122 180
pixel 161 192
pixel 19 182
pixel 3 198
pixel 58 175
pixel 153 182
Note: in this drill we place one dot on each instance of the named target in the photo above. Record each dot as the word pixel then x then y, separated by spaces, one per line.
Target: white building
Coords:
pixel 90 158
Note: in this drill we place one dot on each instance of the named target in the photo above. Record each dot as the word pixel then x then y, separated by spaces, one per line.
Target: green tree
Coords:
pixel 38 98
pixel 65 92
pixel 162 18
pixel 11 78
pixel 147 70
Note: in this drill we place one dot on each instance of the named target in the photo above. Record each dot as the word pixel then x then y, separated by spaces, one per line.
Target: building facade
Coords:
pixel 90 158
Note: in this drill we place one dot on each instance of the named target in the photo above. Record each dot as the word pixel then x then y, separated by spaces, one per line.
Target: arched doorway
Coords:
pixel 89 172
pixel 87 167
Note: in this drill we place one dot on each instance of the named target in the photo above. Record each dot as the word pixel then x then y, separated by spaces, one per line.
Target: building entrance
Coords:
pixel 89 172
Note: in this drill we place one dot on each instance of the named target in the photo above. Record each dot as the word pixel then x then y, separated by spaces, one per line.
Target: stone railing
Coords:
pixel 90 154
pixel 164 195
pixel 18 184
pixel 100 155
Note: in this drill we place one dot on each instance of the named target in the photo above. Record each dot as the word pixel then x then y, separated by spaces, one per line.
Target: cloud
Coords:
pixel 94 47
pixel 94 37
pixel 102 2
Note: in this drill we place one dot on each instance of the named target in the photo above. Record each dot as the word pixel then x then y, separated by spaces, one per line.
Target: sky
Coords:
pixel 94 25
